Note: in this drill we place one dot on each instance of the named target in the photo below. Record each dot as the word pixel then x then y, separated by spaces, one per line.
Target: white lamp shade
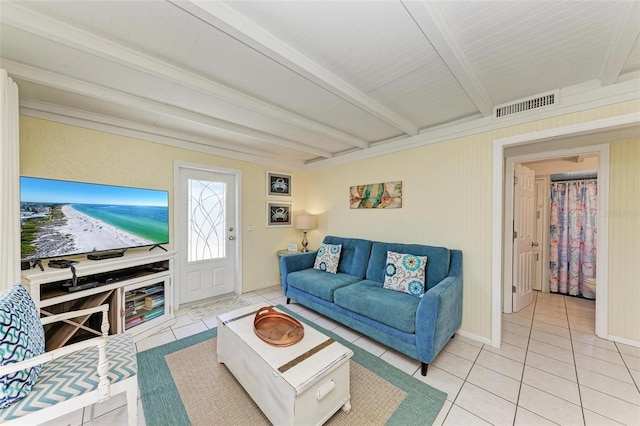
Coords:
pixel 305 222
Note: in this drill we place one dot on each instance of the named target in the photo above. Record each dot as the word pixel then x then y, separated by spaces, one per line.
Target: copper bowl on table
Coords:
pixel 277 328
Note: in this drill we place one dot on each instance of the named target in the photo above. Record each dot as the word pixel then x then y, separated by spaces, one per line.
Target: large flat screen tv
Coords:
pixel 62 218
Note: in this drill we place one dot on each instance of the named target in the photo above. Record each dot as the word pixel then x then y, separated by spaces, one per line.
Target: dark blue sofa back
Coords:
pixel 438 260
pixel 354 256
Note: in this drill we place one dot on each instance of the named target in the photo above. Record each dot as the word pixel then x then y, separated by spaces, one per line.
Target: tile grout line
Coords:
pixel 624 361
pixel 460 390
pixel 575 366
pixel 524 361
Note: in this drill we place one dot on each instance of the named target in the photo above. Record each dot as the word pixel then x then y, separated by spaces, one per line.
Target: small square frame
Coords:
pixel 279 184
pixel 278 214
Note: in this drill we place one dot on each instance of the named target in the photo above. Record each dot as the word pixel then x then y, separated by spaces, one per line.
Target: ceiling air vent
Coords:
pixel 527 104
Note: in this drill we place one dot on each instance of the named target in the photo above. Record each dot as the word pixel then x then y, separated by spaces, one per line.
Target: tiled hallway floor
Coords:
pixel 551 368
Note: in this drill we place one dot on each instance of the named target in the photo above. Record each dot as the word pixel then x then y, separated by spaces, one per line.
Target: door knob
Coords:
pixel 534 244
pixel 231 237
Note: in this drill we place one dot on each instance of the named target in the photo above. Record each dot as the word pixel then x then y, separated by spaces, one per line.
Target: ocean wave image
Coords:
pixel 149 222
pixel 76 228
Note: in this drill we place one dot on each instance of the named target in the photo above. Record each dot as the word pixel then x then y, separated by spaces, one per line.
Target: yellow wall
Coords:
pixel 624 240
pixel 58 151
pixel 448 199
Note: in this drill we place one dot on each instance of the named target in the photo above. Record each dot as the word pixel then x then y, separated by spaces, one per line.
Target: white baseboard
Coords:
pixel 629 342
pixel 475 337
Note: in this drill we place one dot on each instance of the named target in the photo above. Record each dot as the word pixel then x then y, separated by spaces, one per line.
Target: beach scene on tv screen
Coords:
pixel 61 218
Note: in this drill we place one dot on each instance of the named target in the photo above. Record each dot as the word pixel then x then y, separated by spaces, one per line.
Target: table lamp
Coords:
pixel 306 223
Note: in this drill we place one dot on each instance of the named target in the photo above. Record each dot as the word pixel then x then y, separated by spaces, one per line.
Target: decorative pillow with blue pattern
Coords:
pixel 406 273
pixel 21 337
pixel 328 257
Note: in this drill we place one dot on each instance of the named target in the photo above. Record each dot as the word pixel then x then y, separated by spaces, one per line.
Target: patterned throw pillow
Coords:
pixel 406 273
pixel 328 257
pixel 21 337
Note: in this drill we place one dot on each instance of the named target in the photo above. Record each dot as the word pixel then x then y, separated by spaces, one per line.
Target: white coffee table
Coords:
pixel 301 384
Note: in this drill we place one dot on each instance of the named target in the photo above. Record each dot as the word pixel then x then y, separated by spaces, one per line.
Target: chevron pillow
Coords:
pixel 21 337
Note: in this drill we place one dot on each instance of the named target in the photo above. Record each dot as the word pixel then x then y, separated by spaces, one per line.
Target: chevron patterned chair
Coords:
pixel 38 386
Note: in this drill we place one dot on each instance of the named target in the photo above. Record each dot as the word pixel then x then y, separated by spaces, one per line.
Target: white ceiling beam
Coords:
pixel 177 139
pixel 102 93
pixel 626 36
pixel 222 17
pixel 60 32
pixel 39 109
pixel 439 35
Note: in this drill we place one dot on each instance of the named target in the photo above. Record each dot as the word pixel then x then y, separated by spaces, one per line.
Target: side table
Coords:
pixel 282 253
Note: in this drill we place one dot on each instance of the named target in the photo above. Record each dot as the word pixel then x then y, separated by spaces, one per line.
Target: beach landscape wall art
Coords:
pixel 62 218
pixel 387 195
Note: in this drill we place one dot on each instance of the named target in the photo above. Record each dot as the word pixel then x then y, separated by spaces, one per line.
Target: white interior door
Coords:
pixel 205 234
pixel 524 222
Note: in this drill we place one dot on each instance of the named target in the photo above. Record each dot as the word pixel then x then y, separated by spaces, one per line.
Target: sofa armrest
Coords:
pixel 295 262
pixel 439 313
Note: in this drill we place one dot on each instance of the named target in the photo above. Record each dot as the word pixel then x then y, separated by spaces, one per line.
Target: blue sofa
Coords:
pixel 355 297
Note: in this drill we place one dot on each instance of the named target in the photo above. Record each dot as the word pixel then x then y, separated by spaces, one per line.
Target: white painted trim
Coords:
pixel 153 134
pixel 545 236
pixel 499 217
pixel 616 93
pixel 627 32
pixel 475 337
pixel 446 45
pixel 95 91
pixel 602 258
pixel 44 26
pixel 220 16
pixel 625 341
pixel 237 174
pixel 497 245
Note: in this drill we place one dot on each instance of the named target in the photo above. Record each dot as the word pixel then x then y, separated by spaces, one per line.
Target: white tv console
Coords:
pixel 138 287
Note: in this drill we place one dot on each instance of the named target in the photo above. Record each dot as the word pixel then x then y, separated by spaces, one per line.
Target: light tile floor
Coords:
pixel 551 368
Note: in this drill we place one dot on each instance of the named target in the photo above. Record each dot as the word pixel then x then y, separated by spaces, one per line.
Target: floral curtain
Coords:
pixel 573 237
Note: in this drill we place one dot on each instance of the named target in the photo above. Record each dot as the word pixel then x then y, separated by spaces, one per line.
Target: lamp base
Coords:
pixel 305 243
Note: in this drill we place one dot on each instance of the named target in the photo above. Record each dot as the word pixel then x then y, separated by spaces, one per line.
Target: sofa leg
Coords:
pixel 288 300
pixel 423 368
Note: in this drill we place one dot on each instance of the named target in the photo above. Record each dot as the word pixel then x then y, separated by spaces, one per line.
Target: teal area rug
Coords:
pixel 163 405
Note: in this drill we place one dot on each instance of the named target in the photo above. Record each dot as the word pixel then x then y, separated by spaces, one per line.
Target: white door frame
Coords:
pixel 237 174
pixel 503 190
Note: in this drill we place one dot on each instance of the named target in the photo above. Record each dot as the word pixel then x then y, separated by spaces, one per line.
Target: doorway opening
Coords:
pixel 594 136
pixel 566 206
pixel 515 156
pixel 555 227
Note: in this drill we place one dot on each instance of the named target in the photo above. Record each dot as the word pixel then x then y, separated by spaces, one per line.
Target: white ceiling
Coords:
pixel 304 84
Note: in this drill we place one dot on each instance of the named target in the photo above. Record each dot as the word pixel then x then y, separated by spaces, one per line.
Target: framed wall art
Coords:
pixel 386 195
pixel 278 214
pixel 278 184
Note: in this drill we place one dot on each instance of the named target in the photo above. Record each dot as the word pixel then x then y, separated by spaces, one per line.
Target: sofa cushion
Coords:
pixel 354 256
pixel 327 258
pixel 405 272
pixel 439 259
pixel 370 299
pixel 319 283
pixel 21 338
